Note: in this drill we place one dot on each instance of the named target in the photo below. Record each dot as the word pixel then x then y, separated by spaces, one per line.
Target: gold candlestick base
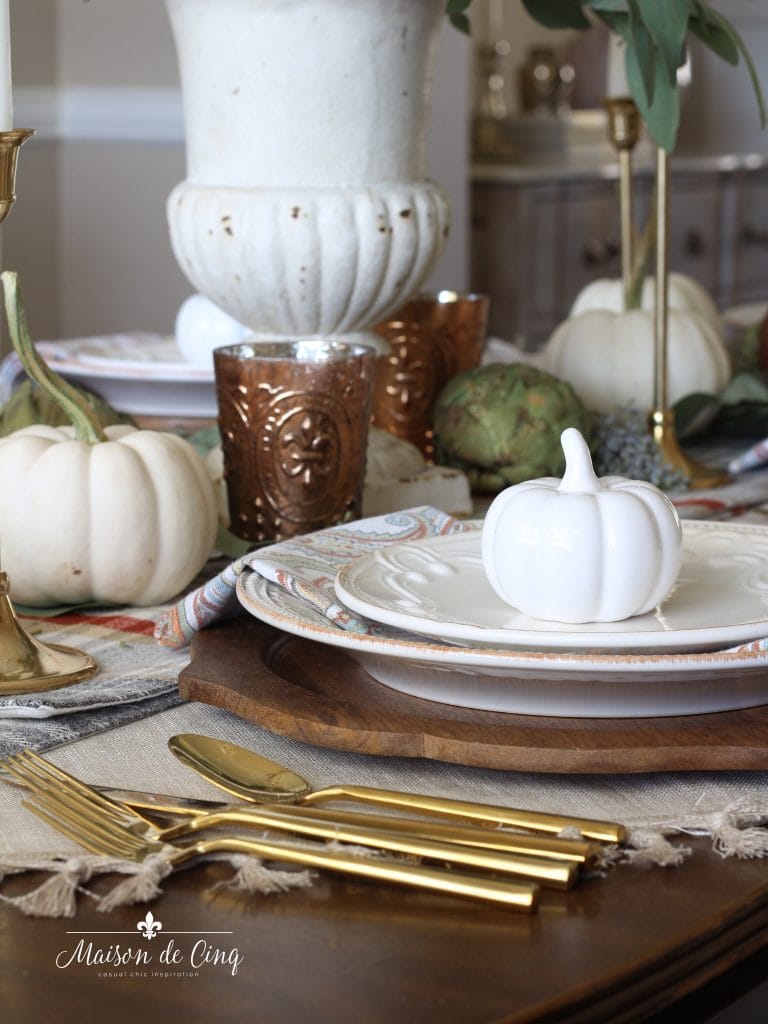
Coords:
pixel 698 475
pixel 29 666
pixel 10 144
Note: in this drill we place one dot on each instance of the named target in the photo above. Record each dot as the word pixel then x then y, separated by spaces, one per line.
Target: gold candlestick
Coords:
pixel 26 664
pixel 662 417
pixel 10 144
pixel 624 133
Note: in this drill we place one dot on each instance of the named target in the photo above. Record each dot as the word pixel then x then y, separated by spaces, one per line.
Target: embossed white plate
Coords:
pixel 438 587
pixel 527 682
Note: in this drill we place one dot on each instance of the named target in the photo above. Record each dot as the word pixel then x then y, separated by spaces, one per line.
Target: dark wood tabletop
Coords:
pixel 635 945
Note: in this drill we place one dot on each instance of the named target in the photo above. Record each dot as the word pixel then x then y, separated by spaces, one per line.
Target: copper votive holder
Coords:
pixel 432 339
pixel 294 419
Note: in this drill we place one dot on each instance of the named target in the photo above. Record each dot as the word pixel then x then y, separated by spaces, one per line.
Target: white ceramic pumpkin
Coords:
pixel 683 293
pixel 608 358
pixel 91 514
pixel 129 520
pixel 581 549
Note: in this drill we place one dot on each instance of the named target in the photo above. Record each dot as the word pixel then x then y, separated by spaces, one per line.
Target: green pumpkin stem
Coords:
pixel 75 406
pixel 641 261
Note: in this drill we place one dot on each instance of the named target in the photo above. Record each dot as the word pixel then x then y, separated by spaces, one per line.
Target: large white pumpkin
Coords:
pixel 608 358
pixel 129 520
pixel 683 293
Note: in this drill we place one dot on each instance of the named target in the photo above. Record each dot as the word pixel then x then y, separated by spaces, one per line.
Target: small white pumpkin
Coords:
pixel 120 516
pixel 581 549
pixel 130 520
pixel 683 293
pixel 608 358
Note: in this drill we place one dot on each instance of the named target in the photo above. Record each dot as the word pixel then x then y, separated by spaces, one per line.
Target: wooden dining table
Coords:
pixel 661 945
pixel 627 944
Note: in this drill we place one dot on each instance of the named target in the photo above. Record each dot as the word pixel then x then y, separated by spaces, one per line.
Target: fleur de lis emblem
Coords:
pixel 149 926
pixel 306 451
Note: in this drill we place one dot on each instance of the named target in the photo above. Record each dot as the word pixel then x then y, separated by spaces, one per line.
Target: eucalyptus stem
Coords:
pixel 75 406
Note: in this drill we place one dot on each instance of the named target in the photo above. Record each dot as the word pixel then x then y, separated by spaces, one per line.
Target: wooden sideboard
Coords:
pixel 540 233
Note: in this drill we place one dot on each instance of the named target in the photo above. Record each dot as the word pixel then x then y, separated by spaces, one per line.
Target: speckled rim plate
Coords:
pixel 528 682
pixel 437 586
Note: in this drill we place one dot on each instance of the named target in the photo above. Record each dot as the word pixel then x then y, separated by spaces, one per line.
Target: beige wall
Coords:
pixel 88 232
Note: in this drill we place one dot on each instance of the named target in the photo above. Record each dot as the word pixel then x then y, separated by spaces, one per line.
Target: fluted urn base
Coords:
pixel 303 262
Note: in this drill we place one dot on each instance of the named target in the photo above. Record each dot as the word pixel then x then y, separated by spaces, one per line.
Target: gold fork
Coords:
pixel 106 828
pixel 53 784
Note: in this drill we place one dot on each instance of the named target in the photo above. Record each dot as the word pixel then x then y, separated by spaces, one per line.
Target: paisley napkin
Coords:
pixel 305 566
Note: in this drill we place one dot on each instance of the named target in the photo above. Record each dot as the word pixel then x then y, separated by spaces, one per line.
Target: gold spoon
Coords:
pixel 249 776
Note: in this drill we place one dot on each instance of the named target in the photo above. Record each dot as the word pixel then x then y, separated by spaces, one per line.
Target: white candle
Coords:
pixel 616 77
pixel 6 93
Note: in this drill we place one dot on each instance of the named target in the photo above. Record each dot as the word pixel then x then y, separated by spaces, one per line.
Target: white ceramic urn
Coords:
pixel 305 210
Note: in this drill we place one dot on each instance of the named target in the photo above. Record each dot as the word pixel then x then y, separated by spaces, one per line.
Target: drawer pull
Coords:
pixel 597 253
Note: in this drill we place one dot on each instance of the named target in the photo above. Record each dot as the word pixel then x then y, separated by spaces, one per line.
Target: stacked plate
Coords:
pixel 138 373
pixel 438 631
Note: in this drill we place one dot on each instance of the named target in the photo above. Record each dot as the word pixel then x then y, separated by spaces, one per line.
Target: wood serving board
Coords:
pixel 318 694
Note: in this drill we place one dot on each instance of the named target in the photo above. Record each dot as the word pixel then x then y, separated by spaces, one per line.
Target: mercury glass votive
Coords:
pixel 294 419
pixel 431 339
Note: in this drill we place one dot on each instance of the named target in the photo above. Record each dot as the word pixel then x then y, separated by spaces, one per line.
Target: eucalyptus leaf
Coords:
pixel 718 40
pixel 723 23
pixel 667 23
pixel 642 50
pixel 662 115
pixel 557 13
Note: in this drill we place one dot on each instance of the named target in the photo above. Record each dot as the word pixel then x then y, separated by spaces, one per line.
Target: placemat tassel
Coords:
pixel 645 847
pixel 141 887
pixel 56 896
pixel 253 877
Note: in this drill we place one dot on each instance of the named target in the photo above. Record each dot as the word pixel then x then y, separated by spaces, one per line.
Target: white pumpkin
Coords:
pixel 129 520
pixel 608 358
pixel 683 293
pixel 581 549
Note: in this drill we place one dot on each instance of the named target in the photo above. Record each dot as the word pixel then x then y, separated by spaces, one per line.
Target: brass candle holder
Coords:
pixel 662 421
pixel 624 134
pixel 10 144
pixel 26 664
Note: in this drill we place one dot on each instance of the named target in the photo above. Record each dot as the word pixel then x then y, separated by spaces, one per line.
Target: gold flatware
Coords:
pixel 49 782
pixel 247 775
pixel 528 844
pixel 106 828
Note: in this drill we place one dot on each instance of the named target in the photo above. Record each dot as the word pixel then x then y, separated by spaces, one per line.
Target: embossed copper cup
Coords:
pixel 294 422
pixel 432 338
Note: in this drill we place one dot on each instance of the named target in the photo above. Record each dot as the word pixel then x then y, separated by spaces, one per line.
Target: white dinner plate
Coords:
pixel 141 374
pixel 437 586
pixel 527 682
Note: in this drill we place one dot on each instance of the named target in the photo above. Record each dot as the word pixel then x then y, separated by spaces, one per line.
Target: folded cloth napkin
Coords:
pixel 305 566
pixel 118 642
pixel 133 680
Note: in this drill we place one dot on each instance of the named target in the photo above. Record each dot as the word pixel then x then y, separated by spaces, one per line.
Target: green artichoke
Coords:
pixel 501 424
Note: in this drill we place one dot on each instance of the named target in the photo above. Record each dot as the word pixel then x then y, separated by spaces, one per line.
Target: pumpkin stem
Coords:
pixel 579 474
pixel 642 258
pixel 81 415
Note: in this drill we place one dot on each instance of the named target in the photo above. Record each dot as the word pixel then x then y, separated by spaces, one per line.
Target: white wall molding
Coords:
pixel 101 114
